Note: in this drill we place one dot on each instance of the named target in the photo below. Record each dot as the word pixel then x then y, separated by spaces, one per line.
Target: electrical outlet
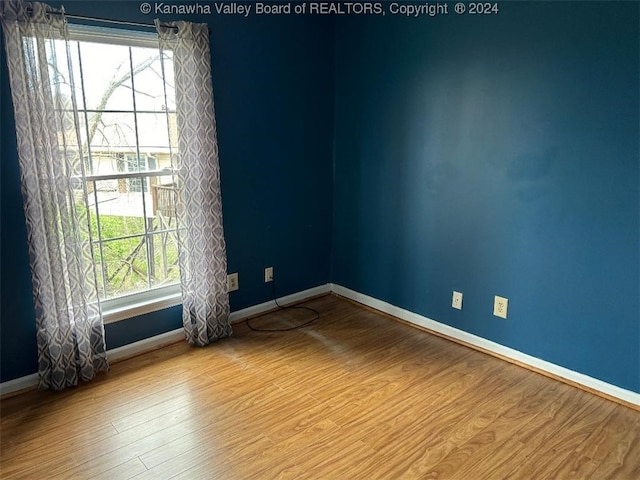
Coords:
pixel 268 274
pixel 500 305
pixel 232 282
pixel 456 301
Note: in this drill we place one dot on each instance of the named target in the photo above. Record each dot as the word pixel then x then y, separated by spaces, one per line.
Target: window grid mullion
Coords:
pixel 103 268
pixel 122 237
pixel 146 218
pixel 133 235
pixel 92 110
pixel 103 272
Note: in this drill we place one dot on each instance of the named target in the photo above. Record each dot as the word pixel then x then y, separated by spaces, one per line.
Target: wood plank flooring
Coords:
pixel 356 395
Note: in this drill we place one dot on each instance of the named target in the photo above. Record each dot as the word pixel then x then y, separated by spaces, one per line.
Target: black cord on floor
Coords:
pixel 280 308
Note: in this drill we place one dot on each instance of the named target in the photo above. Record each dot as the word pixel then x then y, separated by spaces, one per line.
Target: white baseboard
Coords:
pixel 146 345
pixel 286 300
pixel 492 347
pixel 17 384
pixel 152 343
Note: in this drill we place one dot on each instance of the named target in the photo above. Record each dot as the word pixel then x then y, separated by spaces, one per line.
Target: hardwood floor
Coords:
pixel 354 396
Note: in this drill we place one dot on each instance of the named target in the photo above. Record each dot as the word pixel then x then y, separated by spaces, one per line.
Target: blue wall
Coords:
pixel 497 155
pixel 17 329
pixel 273 89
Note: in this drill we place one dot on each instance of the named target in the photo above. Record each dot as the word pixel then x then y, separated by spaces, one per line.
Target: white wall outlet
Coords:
pixel 500 305
pixel 268 274
pixel 232 282
pixel 456 301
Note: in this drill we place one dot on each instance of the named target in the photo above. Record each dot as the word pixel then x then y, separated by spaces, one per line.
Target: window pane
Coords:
pixel 101 274
pixel 138 184
pixel 153 133
pixel 103 162
pixel 58 74
pixel 149 86
pixel 70 129
pixel 164 254
pixel 164 180
pixel 113 132
pixel 75 163
pixel 113 226
pixel 121 213
pixel 125 265
pixel 173 129
pixel 150 92
pixel 163 200
pixel 137 163
pixel 85 214
pixel 77 74
pixel 167 63
pixel 106 72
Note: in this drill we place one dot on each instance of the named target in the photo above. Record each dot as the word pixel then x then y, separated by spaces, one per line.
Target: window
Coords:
pixel 139 163
pixel 127 125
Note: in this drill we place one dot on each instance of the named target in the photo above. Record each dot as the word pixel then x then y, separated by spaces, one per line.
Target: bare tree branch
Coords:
pixel 114 84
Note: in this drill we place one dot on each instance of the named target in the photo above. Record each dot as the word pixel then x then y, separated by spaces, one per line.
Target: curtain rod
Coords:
pixel 108 20
pixel 105 20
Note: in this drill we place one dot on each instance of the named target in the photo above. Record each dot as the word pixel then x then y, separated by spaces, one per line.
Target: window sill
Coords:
pixel 115 310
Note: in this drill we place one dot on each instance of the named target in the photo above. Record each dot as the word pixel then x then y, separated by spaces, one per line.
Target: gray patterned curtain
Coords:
pixel 202 251
pixel 70 332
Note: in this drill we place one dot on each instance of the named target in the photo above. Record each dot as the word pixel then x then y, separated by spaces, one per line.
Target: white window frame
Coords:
pixel 151 300
pixel 139 303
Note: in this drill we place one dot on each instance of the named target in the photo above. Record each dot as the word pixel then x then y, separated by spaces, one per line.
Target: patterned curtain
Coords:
pixel 70 332
pixel 202 251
